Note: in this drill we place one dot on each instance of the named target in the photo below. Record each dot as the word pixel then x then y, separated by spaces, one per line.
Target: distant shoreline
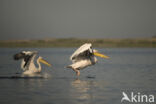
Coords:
pixel 75 42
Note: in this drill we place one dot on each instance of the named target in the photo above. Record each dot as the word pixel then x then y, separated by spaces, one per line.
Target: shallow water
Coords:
pixel 128 70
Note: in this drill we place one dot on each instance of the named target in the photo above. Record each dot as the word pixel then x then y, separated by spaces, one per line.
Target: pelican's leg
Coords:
pixel 77 72
pixel 75 69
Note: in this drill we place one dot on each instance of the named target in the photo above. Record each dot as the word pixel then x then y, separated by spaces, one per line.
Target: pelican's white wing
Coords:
pixel 83 48
pixel 28 59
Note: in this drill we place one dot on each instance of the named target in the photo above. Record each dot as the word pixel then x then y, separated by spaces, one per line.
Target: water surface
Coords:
pixel 128 70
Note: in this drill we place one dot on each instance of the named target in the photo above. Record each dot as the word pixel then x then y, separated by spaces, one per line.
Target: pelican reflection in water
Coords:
pixel 83 90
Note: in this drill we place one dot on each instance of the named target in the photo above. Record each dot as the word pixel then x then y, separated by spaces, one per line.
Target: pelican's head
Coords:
pixel 94 50
pixel 96 53
pixel 40 59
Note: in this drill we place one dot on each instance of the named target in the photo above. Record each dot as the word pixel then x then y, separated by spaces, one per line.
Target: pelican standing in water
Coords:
pixel 27 63
pixel 83 57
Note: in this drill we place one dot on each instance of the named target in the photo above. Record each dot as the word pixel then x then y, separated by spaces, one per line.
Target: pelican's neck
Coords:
pixel 39 65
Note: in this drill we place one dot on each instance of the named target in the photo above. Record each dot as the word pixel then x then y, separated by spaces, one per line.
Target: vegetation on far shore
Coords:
pixel 75 42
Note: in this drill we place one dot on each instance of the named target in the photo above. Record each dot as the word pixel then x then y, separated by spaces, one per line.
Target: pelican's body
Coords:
pixel 83 57
pixel 27 64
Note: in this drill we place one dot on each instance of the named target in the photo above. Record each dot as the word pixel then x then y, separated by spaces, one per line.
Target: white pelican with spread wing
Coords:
pixel 83 57
pixel 27 63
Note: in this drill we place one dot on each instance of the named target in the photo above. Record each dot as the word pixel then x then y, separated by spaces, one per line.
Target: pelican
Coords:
pixel 83 57
pixel 27 64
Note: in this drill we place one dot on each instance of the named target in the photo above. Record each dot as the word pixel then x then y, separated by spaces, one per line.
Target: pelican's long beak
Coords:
pixel 101 55
pixel 44 62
